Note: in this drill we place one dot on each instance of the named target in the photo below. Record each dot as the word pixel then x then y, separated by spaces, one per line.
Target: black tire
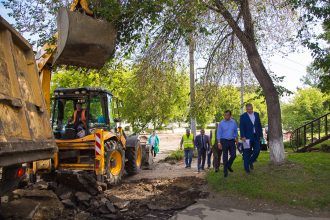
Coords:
pixel 134 159
pixel 114 161
pixel 9 179
pixel 147 157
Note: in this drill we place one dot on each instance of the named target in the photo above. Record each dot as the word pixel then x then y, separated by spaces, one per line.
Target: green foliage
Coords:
pixel 287 145
pixel 312 78
pixel 158 98
pixel 228 99
pixel 312 11
pixel 306 105
pixel 302 181
pixel 317 78
pixel 176 155
pixel 206 104
pixel 281 90
pixel 213 101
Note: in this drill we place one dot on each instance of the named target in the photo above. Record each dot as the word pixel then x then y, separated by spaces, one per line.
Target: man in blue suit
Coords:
pixel 251 130
pixel 202 143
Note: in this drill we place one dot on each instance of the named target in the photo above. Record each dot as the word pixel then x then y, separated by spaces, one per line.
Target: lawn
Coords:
pixel 304 180
pixel 175 155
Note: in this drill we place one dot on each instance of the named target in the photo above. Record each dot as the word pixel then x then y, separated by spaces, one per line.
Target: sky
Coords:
pixel 293 66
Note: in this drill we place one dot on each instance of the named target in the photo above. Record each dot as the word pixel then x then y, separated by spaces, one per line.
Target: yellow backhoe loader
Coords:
pixel 25 131
pixel 85 41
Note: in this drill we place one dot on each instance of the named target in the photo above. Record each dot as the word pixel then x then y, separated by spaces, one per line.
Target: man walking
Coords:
pixel 188 145
pixel 210 151
pixel 202 143
pixel 227 137
pixel 216 151
pixel 251 132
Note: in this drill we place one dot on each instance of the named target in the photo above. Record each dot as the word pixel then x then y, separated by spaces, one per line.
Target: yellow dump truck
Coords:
pixel 25 131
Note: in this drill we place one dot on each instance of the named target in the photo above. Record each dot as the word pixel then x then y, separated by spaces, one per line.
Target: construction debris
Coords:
pixel 151 199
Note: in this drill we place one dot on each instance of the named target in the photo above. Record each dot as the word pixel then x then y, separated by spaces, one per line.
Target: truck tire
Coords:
pixel 114 161
pixel 9 179
pixel 147 158
pixel 134 158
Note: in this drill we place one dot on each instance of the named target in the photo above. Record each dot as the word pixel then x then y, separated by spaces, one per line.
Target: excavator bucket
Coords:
pixel 83 40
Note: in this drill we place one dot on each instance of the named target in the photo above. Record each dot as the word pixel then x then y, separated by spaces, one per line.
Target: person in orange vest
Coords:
pixel 79 117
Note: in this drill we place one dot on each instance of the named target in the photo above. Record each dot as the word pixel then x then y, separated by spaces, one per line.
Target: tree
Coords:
pixel 228 99
pixel 312 77
pixel 158 24
pixel 206 103
pixel 156 98
pixel 306 105
pixel 311 12
pixel 242 25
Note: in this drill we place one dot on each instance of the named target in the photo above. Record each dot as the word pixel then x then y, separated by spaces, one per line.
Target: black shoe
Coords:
pixel 225 175
pixel 216 170
pixel 186 166
pixel 230 169
pixel 251 166
pixel 247 172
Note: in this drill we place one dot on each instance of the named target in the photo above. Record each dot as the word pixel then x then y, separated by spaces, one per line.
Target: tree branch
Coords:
pixel 247 19
pixel 229 18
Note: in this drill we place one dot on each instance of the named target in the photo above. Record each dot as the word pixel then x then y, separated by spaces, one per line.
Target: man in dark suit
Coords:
pixel 202 143
pixel 216 151
pixel 251 133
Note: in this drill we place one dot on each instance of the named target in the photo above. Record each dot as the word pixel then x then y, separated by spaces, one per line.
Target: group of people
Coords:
pixel 224 141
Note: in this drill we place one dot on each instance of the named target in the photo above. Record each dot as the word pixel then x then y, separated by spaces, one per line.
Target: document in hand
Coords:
pixel 246 144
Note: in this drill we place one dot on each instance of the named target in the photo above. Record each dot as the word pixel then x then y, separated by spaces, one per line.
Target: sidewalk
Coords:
pixel 229 208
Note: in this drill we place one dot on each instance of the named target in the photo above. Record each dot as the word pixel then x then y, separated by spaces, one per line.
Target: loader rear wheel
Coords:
pixel 134 159
pixel 114 161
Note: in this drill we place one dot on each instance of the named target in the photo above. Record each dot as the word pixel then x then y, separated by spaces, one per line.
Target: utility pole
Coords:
pixel 192 85
pixel 242 83
pixel 242 88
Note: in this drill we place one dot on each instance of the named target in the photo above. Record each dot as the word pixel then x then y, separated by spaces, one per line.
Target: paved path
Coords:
pixel 205 212
pixel 217 206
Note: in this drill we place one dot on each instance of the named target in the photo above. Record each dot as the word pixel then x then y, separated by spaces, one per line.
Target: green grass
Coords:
pixel 175 156
pixel 304 180
pixel 327 142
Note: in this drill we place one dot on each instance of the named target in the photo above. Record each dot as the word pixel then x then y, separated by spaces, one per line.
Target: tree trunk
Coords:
pixel 247 39
pixel 273 104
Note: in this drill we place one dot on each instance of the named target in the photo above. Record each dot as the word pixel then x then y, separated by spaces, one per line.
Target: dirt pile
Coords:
pixel 78 196
pixel 157 198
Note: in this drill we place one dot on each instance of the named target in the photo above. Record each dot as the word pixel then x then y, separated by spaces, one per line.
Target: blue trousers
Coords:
pixel 249 156
pixel 188 154
pixel 201 159
pixel 228 146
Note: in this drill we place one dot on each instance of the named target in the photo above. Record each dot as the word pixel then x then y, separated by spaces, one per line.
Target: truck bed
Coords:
pixel 25 131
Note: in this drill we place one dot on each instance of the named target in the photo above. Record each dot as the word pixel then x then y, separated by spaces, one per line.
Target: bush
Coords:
pixel 287 144
pixel 175 156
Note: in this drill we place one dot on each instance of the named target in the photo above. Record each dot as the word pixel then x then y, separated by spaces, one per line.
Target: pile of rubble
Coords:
pixel 78 196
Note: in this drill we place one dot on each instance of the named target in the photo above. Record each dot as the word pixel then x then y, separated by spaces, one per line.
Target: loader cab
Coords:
pixel 78 112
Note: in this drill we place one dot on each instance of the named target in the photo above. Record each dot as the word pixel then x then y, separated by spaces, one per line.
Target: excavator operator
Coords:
pixel 79 120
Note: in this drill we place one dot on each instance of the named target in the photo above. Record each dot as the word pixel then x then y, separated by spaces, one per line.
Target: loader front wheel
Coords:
pixel 114 162
pixel 134 159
